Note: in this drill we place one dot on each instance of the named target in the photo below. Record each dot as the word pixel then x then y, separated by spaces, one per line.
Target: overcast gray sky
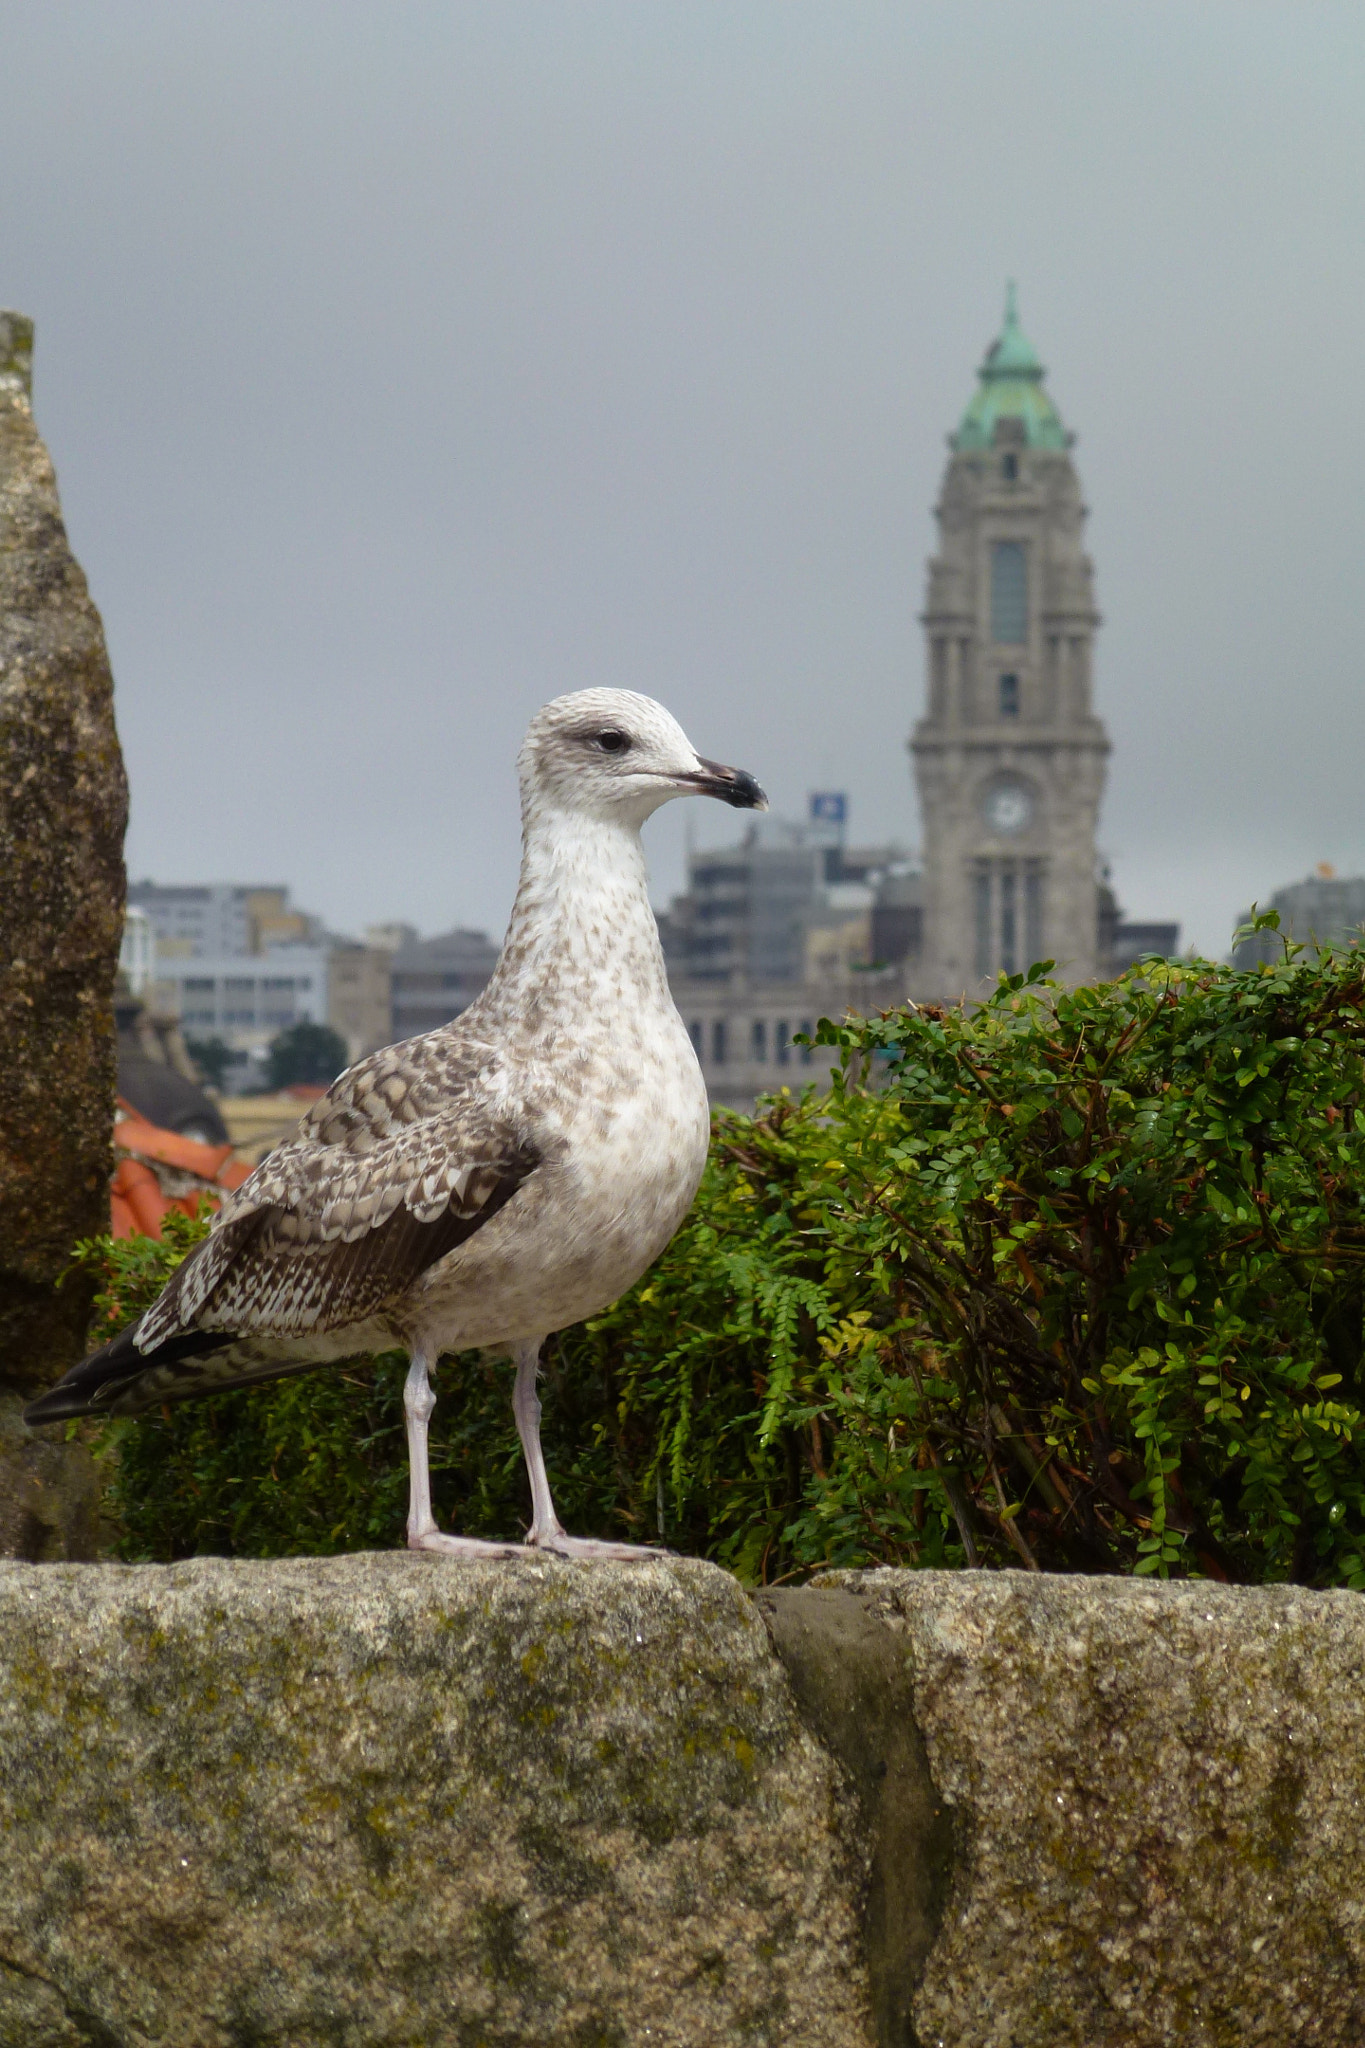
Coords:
pixel 404 366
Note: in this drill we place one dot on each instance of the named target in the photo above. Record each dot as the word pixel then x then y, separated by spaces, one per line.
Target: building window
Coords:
pixel 197 987
pixel 1009 593
pixel 782 1042
pixel 981 907
pixel 694 1033
pixel 758 1040
pixel 1009 468
pixel 1009 919
pixel 807 1051
pixel 1007 900
pixel 718 1046
pixel 1009 696
pixel 1033 910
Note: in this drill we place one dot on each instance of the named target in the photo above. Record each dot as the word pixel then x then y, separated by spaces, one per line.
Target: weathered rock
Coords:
pixel 63 808
pixel 1159 1797
pixel 50 1493
pixel 402 1800
pixel 392 1800
pixel 854 1688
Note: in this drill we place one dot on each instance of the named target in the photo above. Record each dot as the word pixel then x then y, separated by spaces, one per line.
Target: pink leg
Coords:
pixel 423 1534
pixel 545 1532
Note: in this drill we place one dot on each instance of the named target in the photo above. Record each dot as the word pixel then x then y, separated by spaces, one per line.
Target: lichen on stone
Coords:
pixel 326 1801
pixel 63 809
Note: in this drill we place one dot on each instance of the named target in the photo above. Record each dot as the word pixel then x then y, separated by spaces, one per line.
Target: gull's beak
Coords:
pixel 732 785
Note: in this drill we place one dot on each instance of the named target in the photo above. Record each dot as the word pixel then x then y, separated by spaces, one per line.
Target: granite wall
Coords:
pixel 400 1799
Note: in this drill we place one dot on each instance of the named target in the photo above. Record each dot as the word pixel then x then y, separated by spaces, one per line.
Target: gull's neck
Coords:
pixel 581 927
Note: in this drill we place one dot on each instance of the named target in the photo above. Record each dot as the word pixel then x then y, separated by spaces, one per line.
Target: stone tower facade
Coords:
pixel 1009 755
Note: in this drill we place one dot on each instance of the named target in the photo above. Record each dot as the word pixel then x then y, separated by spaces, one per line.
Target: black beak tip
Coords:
pixel 745 794
pixel 734 786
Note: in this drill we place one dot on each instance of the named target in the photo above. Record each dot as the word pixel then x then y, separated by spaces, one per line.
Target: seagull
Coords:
pixel 486 1183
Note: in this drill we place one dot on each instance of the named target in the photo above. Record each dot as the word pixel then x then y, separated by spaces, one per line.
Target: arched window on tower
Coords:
pixel 1009 593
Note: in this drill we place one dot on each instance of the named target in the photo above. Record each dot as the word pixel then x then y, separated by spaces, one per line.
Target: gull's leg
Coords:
pixel 526 1407
pixel 423 1534
pixel 545 1532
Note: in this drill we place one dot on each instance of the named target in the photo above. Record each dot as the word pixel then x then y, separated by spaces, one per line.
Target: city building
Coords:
pixel 137 951
pixel 1325 909
pixel 786 898
pixel 193 919
pixel 1009 761
pixel 433 980
pixel 360 995
pixel 744 1034
pixel 229 960
pixel 246 999
pixel 1009 755
pixel 776 932
pixel 238 962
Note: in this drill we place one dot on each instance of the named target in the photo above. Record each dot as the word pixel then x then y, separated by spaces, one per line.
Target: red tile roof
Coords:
pixel 159 1170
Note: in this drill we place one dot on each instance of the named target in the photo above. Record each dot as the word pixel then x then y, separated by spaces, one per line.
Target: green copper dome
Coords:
pixel 1011 388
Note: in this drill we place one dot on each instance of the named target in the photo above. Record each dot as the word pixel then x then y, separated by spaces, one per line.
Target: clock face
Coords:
pixel 1008 807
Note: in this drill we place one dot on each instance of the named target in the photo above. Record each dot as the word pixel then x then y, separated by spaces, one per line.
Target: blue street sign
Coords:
pixel 828 807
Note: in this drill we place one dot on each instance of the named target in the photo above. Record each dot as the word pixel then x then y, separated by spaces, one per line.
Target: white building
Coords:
pixel 137 951
pixel 211 919
pixel 246 999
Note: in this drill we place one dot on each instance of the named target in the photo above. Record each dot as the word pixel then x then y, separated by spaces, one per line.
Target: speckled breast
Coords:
pixel 632 1140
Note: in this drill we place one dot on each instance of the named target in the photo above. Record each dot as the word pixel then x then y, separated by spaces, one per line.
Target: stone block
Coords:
pixel 63 808
pixel 1157 1795
pixel 390 1799
pixel 51 1497
pixel 404 1800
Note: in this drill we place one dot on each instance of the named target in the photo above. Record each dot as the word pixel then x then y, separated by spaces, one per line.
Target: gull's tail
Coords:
pixel 118 1379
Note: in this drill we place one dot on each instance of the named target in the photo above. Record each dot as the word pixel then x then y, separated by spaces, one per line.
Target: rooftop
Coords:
pixel 1011 387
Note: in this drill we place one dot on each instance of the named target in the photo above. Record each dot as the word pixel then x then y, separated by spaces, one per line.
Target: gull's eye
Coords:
pixel 612 741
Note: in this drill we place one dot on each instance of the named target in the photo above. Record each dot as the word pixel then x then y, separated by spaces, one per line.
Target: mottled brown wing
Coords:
pixel 389 1171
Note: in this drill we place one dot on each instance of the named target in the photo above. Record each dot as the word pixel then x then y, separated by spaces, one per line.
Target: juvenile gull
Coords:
pixel 488 1182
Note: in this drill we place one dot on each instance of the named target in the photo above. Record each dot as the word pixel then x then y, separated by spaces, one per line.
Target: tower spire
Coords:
pixel 1010 386
pixel 1009 755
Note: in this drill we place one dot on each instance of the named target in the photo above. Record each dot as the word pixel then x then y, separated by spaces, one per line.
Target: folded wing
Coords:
pixel 389 1172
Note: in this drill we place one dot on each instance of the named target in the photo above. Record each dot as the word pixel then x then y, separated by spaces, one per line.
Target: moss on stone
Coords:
pixel 481 1792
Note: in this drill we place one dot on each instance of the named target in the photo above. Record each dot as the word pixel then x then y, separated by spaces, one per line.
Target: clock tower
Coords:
pixel 1009 755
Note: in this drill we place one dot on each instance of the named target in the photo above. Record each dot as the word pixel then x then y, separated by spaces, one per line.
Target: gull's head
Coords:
pixel 617 756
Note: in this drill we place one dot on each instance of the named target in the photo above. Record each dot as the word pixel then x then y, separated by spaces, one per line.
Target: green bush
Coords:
pixel 1073 1281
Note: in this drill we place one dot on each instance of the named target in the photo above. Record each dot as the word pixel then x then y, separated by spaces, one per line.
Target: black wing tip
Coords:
pixel 54 1406
pixel 78 1392
pixel 93 1387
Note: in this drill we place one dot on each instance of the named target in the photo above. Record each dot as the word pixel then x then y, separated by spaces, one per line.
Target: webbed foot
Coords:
pixel 461 1546
pixel 560 1545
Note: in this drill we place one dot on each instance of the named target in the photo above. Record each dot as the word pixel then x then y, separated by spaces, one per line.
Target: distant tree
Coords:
pixel 306 1053
pixel 211 1056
